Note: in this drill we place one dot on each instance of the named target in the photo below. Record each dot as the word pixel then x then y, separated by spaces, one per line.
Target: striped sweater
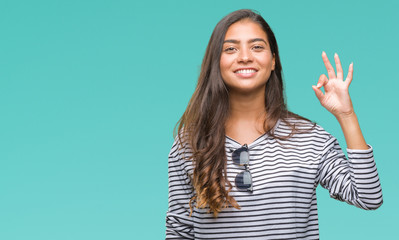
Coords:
pixel 285 174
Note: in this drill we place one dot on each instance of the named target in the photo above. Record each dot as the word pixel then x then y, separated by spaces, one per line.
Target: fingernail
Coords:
pixel 323 53
pixel 318 85
pixel 335 54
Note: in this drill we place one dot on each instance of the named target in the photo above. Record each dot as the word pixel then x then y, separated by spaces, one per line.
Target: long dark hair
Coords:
pixel 203 122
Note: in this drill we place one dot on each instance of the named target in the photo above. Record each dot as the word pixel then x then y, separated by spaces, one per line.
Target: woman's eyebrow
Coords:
pixel 249 41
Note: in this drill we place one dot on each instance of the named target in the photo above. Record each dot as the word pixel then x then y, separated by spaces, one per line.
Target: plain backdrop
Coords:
pixel 90 92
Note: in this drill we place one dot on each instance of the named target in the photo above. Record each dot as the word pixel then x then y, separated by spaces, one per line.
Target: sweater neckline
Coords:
pixel 256 141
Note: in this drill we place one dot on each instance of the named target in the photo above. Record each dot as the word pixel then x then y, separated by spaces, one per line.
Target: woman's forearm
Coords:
pixel 352 132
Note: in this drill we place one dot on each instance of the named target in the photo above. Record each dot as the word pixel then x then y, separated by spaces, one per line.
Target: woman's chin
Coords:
pixel 247 89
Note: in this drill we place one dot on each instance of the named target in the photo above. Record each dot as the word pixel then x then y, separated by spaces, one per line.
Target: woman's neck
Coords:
pixel 246 117
pixel 247 107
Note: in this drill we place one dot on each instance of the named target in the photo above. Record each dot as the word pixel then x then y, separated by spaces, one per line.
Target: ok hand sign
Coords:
pixel 336 97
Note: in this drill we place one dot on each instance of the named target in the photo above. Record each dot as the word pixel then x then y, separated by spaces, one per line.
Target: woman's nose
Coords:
pixel 244 55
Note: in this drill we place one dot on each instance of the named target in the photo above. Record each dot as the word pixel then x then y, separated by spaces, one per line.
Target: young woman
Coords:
pixel 242 165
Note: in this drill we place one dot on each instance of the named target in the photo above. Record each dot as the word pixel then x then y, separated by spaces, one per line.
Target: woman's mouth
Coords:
pixel 246 73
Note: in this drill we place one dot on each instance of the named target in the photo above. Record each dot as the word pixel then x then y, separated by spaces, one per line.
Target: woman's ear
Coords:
pixel 274 61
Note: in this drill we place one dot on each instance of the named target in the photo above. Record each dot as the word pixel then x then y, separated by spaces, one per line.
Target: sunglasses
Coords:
pixel 243 179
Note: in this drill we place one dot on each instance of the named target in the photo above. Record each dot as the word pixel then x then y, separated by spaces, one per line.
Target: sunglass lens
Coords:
pixel 241 156
pixel 243 180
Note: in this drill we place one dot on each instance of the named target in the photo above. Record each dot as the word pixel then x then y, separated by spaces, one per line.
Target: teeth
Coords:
pixel 246 71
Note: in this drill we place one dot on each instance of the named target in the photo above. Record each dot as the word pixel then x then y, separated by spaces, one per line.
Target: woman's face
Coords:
pixel 246 61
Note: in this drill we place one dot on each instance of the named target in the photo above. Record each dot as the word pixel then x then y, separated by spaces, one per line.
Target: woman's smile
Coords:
pixel 246 72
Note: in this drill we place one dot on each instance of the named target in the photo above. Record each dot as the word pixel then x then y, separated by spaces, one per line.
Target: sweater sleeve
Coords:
pixel 179 225
pixel 354 180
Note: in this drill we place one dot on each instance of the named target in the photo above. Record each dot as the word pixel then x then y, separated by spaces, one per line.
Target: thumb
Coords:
pixel 319 93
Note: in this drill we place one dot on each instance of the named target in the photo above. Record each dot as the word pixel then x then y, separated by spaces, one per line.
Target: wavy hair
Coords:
pixel 203 121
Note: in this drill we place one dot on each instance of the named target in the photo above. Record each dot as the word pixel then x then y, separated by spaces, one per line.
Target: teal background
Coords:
pixel 90 92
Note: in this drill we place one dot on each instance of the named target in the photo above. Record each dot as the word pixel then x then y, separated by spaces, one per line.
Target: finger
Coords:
pixel 340 72
pixel 319 93
pixel 350 74
pixel 329 67
pixel 323 80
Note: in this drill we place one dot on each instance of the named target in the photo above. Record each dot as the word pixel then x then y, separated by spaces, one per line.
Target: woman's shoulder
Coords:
pixel 180 147
pixel 301 126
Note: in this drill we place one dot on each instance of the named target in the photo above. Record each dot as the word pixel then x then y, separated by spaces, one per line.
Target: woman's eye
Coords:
pixel 229 49
pixel 258 47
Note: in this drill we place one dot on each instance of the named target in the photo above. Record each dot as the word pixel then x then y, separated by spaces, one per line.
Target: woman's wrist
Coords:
pixel 352 132
pixel 349 118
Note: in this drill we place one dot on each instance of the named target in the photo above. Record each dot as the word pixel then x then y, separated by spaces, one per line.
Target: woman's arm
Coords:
pixel 179 225
pixel 353 135
pixel 336 100
pixel 354 179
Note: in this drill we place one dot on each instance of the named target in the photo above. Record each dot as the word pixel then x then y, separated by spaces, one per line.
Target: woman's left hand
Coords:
pixel 336 97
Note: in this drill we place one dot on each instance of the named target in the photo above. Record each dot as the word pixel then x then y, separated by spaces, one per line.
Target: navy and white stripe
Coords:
pixel 285 175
